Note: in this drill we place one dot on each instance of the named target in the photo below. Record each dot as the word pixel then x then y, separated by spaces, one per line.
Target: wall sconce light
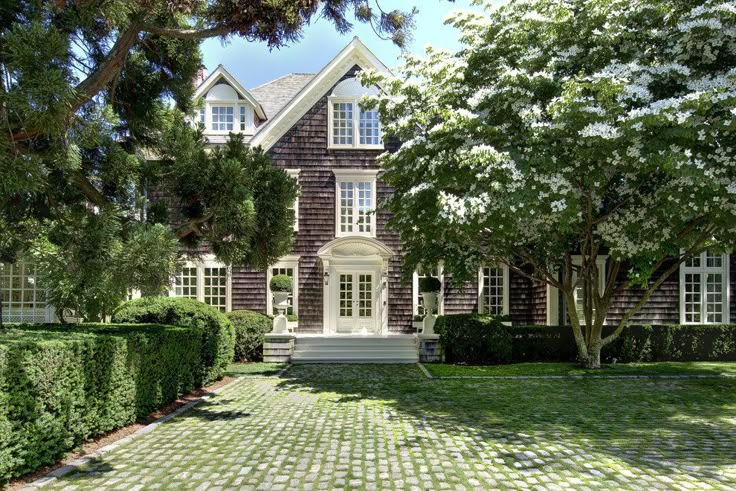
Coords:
pixel 327 278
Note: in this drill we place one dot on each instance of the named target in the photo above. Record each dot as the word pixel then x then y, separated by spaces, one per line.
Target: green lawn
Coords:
pixel 240 369
pixel 558 369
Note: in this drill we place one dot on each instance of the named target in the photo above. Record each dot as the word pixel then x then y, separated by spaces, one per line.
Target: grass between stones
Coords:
pixel 574 369
pixel 254 369
pixel 389 427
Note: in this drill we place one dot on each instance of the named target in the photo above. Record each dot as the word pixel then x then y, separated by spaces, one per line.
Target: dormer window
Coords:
pixel 222 118
pixel 349 125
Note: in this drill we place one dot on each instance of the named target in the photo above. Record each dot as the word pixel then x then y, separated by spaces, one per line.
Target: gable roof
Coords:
pixel 355 53
pixel 221 73
pixel 274 95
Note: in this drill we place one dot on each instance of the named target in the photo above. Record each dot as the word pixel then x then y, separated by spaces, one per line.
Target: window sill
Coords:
pixel 356 147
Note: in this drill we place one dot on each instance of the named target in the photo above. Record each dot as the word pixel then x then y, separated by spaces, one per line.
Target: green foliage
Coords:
pixel 250 328
pixel 429 284
pixel 281 283
pixel 85 102
pixel 466 339
pixel 218 338
pixel 475 339
pixel 61 386
pixel 562 129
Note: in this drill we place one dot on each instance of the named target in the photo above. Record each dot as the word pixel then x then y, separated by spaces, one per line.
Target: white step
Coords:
pixel 355 349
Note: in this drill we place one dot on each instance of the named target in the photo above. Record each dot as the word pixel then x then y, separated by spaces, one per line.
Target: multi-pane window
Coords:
pixel 342 123
pixel 368 130
pixel 23 293
pixel 243 118
pixel 215 287
pixel 185 285
pixel 351 126
pixel 222 118
pixel 207 282
pixel 703 282
pixel 288 271
pixel 355 207
pixel 346 295
pixel 493 290
pixel 419 308
pixel 202 116
pixel 365 295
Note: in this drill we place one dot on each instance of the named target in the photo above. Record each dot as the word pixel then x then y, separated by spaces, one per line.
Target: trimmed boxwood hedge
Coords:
pixel 250 329
pixel 218 334
pixel 60 386
pixel 478 339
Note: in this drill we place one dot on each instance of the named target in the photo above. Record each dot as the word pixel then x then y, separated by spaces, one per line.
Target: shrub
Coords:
pixel 475 339
pixel 60 386
pixel 281 283
pixel 250 329
pixel 429 284
pixel 218 336
pixel 467 340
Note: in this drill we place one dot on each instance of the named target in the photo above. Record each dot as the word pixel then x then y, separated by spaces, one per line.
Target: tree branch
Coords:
pixel 186 33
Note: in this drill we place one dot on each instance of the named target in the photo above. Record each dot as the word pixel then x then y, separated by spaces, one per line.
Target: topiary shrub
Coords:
pixel 474 339
pixel 61 385
pixel 429 284
pixel 250 329
pixel 281 283
pixel 218 337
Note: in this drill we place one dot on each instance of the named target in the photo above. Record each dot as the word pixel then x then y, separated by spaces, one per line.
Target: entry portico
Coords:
pixel 355 286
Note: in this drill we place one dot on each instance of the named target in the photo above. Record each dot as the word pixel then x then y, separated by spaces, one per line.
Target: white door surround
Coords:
pixel 355 294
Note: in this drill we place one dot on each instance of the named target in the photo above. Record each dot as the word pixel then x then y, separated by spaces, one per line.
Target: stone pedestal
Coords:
pixel 430 350
pixel 278 348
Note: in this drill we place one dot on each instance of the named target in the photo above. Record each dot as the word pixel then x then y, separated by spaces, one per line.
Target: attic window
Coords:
pixel 222 118
pixel 349 125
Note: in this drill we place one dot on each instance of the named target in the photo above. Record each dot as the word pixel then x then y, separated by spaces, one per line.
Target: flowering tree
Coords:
pixel 566 130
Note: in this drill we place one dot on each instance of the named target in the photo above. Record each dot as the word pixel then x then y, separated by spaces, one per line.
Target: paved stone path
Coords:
pixel 388 427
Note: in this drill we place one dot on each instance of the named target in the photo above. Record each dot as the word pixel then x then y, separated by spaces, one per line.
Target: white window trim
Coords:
pixel 724 270
pixel 331 100
pixel 354 176
pixel 415 292
pixel 294 174
pixel 284 262
pixel 22 313
pixel 505 307
pixel 207 262
pixel 600 262
pixel 249 117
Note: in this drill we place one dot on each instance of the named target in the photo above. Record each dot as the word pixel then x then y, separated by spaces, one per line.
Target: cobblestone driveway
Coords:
pixel 387 427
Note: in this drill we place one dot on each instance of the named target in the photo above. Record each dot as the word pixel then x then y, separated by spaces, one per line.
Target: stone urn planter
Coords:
pixel 280 287
pixel 429 287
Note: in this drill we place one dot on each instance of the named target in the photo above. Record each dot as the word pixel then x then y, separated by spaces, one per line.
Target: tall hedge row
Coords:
pixel 217 331
pixel 60 386
pixel 477 339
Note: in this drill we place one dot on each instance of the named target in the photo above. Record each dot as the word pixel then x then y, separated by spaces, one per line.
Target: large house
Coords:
pixel 345 263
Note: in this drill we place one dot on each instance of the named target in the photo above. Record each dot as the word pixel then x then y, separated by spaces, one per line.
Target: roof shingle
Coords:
pixel 274 95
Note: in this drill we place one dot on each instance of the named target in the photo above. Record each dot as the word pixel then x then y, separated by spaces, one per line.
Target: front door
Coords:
pixel 356 302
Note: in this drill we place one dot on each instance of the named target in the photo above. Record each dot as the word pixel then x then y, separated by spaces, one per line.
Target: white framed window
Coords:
pixel 352 127
pixel 222 118
pixel 288 266
pixel 704 289
pixel 578 293
pixel 243 118
pixel 207 281
pixel 294 173
pixel 493 290
pixel 202 116
pixel 23 294
pixel 418 301
pixel 355 196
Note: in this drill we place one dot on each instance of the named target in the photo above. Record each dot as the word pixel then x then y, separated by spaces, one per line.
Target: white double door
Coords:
pixel 357 295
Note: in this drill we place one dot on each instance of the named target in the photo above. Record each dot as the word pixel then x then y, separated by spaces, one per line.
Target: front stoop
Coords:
pixel 278 348
pixel 430 349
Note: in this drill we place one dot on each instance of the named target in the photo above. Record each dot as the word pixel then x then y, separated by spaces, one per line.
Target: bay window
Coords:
pixel 704 289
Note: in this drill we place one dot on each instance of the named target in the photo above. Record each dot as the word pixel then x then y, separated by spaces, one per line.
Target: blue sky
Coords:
pixel 253 64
